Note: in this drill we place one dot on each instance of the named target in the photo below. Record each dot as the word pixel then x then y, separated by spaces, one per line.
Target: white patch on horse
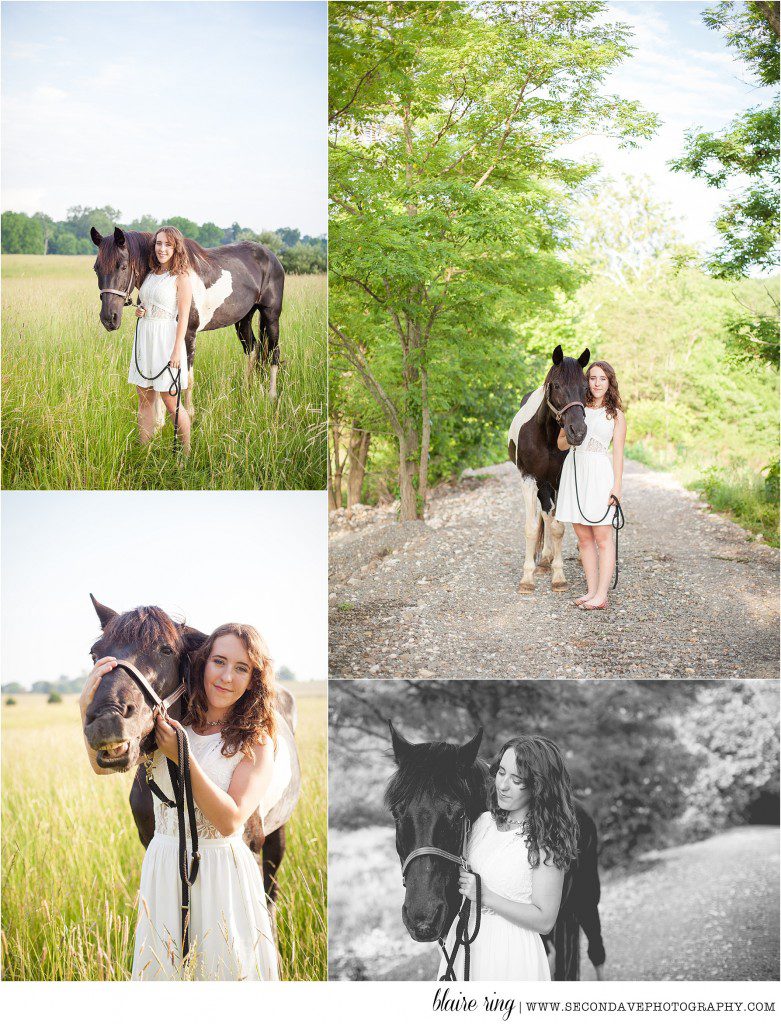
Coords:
pixel 524 414
pixel 208 300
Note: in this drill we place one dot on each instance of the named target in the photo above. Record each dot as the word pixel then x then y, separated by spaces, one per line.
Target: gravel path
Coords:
pixel 696 599
pixel 699 912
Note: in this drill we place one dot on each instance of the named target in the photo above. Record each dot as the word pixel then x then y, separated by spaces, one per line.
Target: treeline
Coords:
pixel 67 684
pixel 649 760
pixel 41 235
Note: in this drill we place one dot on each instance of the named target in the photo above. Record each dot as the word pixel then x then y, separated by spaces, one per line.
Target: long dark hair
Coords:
pixel 612 400
pixel 251 719
pixel 550 828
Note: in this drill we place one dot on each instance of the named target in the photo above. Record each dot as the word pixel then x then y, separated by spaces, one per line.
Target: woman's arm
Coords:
pixel 101 668
pixel 226 811
pixel 184 296
pixel 539 915
pixel 619 438
pixel 561 441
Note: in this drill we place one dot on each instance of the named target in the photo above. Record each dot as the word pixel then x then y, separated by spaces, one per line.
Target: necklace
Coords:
pixel 210 725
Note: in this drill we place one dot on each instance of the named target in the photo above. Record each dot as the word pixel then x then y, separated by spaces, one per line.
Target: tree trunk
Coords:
pixel 358 453
pixel 336 467
pixel 425 439
pixel 408 495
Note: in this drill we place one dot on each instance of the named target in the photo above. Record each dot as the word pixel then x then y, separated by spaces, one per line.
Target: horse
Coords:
pixel 437 792
pixel 119 724
pixel 230 283
pixel 532 448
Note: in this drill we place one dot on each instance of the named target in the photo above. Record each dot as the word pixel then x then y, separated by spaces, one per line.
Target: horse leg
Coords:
pixel 559 580
pixel 269 334
pixel 142 806
pixel 532 527
pixel 546 557
pixel 188 374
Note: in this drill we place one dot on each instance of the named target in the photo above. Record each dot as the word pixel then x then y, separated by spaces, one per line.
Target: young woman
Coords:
pixel 521 847
pixel 231 729
pixel 158 350
pixel 589 508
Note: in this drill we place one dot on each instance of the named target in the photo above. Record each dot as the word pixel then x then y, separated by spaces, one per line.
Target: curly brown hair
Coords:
pixel 612 400
pixel 180 261
pixel 550 826
pixel 251 719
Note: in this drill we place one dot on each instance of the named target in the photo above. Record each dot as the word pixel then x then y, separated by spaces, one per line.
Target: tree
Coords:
pixel 188 227
pixel 81 218
pixel 144 223
pixel 210 235
pixel 21 234
pixel 447 229
pixel 749 222
pixel 48 227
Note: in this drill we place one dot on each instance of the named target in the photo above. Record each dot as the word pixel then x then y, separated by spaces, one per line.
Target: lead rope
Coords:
pixel 618 521
pixel 175 388
pixel 463 938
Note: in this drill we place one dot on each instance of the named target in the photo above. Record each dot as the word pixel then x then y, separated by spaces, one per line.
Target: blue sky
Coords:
pixel 684 72
pixel 207 556
pixel 214 111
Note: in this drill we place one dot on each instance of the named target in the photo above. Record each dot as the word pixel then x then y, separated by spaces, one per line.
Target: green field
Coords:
pixel 72 859
pixel 69 415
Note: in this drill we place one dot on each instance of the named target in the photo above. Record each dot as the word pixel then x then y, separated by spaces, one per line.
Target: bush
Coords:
pixel 54 698
pixel 9 701
pixel 749 498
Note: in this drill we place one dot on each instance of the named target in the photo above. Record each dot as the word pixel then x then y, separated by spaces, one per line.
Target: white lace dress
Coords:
pixel 595 474
pixel 503 951
pixel 154 341
pixel 230 932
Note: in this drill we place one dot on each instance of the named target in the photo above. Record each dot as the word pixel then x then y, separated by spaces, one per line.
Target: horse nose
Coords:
pixel 426 922
pixel 114 317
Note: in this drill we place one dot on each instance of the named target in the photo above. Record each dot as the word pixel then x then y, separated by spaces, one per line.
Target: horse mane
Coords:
pixel 196 253
pixel 147 627
pixel 569 369
pixel 433 769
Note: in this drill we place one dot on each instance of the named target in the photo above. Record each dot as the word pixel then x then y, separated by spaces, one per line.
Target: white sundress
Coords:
pixel 156 334
pixel 595 474
pixel 231 938
pixel 502 951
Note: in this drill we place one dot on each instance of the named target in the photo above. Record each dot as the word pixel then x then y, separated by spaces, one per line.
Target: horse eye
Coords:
pixel 165 649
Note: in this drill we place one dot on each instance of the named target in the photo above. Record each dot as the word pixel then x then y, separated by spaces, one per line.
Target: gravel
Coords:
pixel 697 597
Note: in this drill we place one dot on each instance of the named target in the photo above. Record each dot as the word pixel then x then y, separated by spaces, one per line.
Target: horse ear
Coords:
pixel 105 614
pixel 96 236
pixel 468 753
pixel 557 356
pixel 119 237
pixel 584 357
pixel 193 638
pixel 401 747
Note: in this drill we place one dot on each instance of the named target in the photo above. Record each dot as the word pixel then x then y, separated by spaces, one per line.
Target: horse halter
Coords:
pixel 161 704
pixel 436 851
pixel 558 413
pixel 125 294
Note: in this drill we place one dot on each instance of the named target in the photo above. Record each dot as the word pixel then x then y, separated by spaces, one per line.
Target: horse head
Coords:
pixel 438 790
pixel 119 724
pixel 566 390
pixel 120 267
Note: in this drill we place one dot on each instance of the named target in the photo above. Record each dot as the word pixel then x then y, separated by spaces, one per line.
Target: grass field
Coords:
pixel 72 860
pixel 69 415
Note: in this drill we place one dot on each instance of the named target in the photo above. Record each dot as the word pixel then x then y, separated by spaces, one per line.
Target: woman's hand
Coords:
pixel 615 493
pixel 101 668
pixel 140 311
pixel 467 884
pixel 176 359
pixel 165 734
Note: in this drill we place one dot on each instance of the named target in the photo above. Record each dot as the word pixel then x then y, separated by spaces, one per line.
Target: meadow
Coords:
pixel 72 859
pixel 69 415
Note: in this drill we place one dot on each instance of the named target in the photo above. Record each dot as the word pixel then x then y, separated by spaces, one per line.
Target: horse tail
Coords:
pixel 540 541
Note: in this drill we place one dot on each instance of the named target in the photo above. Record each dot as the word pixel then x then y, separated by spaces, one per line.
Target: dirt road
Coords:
pixel 697 598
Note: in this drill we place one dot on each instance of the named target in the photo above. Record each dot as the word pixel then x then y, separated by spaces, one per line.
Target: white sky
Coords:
pixel 214 111
pixel 682 71
pixel 207 556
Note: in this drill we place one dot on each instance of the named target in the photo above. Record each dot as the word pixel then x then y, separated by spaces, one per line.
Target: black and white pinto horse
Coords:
pixel 532 447
pixel 230 284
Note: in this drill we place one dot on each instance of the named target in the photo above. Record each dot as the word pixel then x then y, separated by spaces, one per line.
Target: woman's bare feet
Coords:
pixel 594 605
pixel 582 600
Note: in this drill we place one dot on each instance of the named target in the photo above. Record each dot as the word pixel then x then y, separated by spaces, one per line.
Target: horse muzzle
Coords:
pixel 425 924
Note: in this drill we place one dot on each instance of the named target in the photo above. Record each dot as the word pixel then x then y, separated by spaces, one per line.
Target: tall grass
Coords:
pixel 69 415
pixel 72 859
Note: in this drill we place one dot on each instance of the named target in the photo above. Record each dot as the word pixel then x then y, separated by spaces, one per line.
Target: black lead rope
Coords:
pixel 618 521
pixel 175 388
pixel 463 938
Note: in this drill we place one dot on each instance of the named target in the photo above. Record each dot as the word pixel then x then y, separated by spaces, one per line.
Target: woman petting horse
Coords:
pixel 521 848
pixel 158 364
pixel 231 732
pixel 591 483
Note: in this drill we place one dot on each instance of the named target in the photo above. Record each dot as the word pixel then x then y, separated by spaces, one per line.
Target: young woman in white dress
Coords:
pixel 159 354
pixel 521 848
pixel 598 483
pixel 231 729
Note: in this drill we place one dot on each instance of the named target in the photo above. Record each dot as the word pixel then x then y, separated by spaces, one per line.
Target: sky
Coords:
pixel 205 556
pixel 684 72
pixel 214 111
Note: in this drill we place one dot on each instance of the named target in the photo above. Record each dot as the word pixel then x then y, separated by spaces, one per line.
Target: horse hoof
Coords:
pixel 559 586
pixel 526 588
